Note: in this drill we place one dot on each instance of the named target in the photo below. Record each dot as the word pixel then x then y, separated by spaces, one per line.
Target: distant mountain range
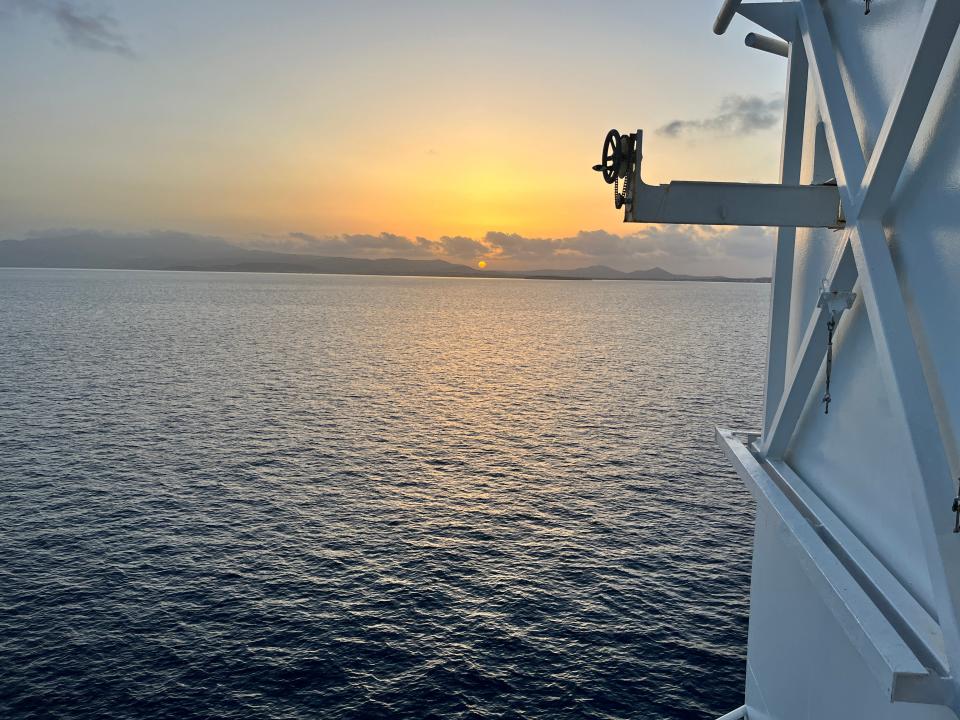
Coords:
pixel 602 272
pixel 177 251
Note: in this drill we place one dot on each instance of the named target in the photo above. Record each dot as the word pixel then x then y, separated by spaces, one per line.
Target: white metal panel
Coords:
pixel 821 645
pixel 874 51
pixel 921 76
pixel 878 644
pixel 854 457
pixel 925 236
pixel 919 629
pixel 801 674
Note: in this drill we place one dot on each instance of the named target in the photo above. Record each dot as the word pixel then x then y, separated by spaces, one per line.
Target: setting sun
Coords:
pixel 482 264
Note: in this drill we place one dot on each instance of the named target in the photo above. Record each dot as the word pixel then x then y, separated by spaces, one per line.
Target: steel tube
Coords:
pixel 725 15
pixel 772 45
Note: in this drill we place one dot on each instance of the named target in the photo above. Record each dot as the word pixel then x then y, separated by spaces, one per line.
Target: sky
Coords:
pixel 457 129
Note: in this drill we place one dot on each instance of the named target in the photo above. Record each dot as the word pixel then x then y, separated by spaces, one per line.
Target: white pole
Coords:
pixel 725 15
pixel 774 46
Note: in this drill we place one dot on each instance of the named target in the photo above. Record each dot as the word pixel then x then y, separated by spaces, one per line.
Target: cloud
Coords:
pixel 650 245
pixel 87 29
pixel 383 245
pixel 463 248
pixel 682 249
pixel 737 115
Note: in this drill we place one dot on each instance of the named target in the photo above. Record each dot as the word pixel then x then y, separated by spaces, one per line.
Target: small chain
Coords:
pixel 956 509
pixel 831 326
pixel 626 183
pixel 619 199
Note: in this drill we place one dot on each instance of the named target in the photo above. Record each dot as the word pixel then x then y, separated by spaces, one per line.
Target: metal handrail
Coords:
pixel 725 15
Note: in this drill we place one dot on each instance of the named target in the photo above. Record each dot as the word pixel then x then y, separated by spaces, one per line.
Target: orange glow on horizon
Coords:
pixel 333 126
pixel 482 264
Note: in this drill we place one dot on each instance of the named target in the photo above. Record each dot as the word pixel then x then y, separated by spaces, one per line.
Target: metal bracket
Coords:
pixel 835 302
pixel 719 203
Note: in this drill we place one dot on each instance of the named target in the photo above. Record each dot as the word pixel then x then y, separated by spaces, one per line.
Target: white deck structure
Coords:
pixel 855 597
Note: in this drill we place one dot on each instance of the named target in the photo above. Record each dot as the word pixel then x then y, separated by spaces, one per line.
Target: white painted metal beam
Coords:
pixel 842 138
pixel 774 46
pixel 913 407
pixel 781 281
pixel 717 203
pixel 727 11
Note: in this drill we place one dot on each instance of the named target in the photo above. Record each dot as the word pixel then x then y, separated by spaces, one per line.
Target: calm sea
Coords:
pixel 290 496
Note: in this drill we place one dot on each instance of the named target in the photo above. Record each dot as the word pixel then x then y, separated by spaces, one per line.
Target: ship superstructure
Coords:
pixel 855 595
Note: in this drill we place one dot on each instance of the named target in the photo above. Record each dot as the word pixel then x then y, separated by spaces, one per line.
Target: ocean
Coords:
pixel 229 495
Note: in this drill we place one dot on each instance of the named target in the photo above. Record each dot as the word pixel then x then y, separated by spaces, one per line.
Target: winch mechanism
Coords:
pixel 710 203
pixel 616 164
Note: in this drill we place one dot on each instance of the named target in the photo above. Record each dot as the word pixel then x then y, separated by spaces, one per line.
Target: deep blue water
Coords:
pixel 279 496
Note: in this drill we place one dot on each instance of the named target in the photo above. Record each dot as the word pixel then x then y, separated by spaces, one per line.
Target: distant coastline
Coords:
pixel 188 253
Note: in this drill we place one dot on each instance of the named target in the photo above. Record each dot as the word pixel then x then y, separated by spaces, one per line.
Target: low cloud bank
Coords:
pixel 680 249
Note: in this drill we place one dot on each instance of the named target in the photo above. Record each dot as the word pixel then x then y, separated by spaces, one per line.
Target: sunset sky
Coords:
pixel 356 127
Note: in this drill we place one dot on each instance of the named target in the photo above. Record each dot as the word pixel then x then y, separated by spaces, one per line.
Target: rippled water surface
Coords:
pixel 278 496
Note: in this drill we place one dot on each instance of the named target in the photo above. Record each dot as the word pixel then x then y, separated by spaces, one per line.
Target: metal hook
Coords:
pixel 956 509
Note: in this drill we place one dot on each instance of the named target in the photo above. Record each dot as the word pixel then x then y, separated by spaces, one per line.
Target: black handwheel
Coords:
pixel 612 157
